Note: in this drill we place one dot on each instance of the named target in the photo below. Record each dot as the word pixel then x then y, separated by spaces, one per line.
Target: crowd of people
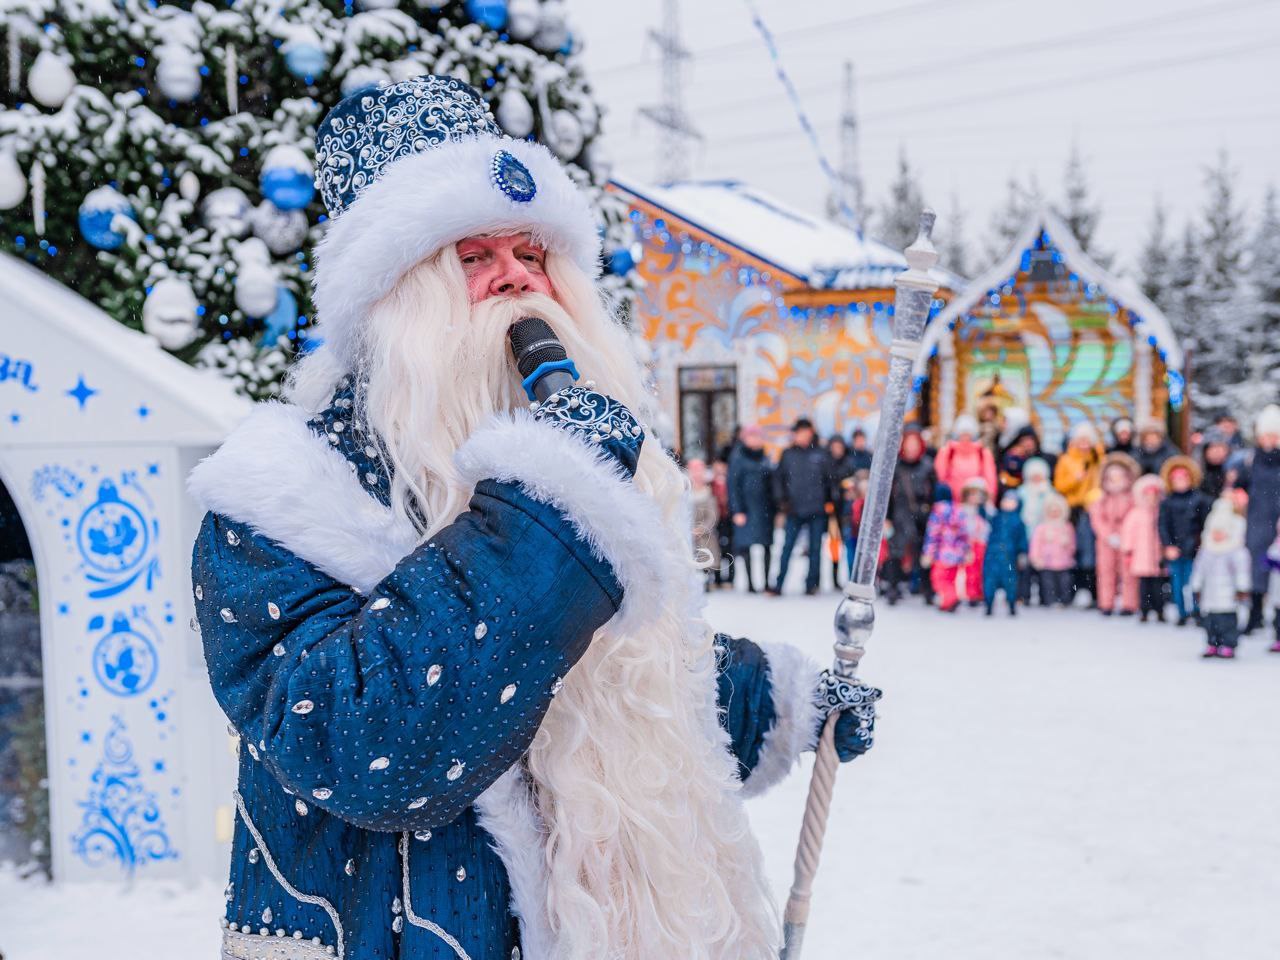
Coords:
pixel 1127 524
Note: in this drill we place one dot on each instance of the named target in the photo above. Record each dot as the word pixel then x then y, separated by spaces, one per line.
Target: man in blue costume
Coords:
pixel 457 634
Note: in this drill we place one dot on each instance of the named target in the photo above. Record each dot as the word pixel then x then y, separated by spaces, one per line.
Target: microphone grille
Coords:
pixel 533 342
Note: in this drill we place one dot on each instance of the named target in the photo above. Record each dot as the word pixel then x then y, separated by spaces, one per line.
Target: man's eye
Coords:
pixel 533 258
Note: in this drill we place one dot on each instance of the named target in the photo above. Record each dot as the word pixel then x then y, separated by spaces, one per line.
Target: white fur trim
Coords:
pixel 506 812
pixel 290 486
pixel 793 678
pixel 426 201
pixel 621 526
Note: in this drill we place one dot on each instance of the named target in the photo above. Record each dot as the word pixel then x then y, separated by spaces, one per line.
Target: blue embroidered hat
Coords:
pixel 409 168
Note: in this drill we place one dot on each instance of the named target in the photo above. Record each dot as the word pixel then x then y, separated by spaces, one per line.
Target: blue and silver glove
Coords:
pixel 856 703
pixel 598 419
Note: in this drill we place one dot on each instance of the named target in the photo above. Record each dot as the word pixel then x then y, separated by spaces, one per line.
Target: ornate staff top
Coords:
pixel 855 617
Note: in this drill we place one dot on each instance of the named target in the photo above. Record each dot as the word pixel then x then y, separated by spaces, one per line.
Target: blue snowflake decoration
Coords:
pixel 513 178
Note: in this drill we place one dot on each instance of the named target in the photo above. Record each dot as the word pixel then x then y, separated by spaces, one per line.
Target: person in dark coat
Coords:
pixel 860 453
pixel 802 488
pixel 1181 521
pixel 1121 436
pixel 1007 548
pixel 843 468
pixel 1024 445
pixel 910 500
pixel 1215 452
pixel 751 503
pixel 1154 446
pixel 1260 475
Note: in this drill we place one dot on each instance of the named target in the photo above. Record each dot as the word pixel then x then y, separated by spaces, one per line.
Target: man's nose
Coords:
pixel 512 277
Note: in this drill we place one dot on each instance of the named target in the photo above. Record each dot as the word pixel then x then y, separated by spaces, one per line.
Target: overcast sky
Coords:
pixel 973 90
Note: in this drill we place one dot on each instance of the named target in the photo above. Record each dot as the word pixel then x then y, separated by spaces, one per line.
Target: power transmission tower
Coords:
pixel 675 129
pixel 845 203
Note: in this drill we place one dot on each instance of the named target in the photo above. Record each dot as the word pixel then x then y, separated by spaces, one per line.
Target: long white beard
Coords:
pixel 648 850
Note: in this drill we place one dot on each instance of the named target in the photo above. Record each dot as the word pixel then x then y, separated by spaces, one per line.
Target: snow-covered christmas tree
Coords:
pixel 157 157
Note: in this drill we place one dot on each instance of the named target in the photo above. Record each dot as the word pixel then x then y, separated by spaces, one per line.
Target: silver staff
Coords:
pixel 855 617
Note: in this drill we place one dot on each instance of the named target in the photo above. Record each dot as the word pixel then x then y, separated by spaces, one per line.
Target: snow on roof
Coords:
pixel 68 340
pixel 1149 320
pixel 822 254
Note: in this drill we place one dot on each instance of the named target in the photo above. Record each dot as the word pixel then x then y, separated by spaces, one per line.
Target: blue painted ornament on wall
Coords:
pixel 288 179
pixel 115 542
pixel 280 321
pixel 488 13
pixel 98 215
pixel 125 660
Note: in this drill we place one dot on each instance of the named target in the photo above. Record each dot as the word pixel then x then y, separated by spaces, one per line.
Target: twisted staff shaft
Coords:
pixel 855 617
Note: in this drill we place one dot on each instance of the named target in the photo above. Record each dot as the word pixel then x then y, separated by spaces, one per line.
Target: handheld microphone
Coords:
pixel 541 359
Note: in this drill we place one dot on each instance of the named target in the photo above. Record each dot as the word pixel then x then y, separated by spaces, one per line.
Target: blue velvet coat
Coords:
pixel 383 717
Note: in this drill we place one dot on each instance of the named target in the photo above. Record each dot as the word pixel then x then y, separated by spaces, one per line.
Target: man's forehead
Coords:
pixel 506 239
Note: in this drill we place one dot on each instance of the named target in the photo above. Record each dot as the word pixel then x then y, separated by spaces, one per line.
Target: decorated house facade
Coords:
pixel 1049 331
pixel 758 313
pixel 114 758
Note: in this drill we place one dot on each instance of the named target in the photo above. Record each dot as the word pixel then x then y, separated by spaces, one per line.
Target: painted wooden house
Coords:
pixel 758 312
pixel 1049 331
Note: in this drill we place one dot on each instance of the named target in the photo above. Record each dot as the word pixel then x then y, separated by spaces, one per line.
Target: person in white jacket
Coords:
pixel 1220 579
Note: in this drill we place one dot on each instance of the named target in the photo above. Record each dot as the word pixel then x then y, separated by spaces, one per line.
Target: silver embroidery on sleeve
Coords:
pixel 290 889
pixel 413 918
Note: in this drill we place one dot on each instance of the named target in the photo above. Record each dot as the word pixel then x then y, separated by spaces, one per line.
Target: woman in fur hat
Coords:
pixel 1110 505
pixel 1260 475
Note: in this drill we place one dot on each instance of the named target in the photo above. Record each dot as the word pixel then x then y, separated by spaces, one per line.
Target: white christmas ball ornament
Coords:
pixel 256 283
pixel 227 209
pixel 189 186
pixel 283 231
pixel 50 81
pixel 364 75
pixel 566 137
pixel 523 18
pixel 553 29
pixel 177 73
pixel 169 313
pixel 13 183
pixel 514 114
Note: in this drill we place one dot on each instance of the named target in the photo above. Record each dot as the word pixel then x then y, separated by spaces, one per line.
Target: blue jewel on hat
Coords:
pixel 513 178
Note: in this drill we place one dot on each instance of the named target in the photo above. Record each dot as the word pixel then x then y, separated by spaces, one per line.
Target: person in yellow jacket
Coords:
pixel 1078 470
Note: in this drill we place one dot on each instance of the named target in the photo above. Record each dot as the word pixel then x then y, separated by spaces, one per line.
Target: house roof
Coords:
pixel 817 252
pixel 70 374
pixel 1149 320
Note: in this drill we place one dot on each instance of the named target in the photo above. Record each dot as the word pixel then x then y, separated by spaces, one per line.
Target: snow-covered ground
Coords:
pixel 1055 786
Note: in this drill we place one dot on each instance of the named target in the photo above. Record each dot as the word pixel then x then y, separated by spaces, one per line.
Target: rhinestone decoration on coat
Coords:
pixel 278 650
pixel 300 807
pixel 481 629
pixel 423 835
pixel 418 804
pixel 515 953
pixel 433 674
pixel 508 692
pixel 461 874
pixel 267 915
pixel 233 538
pixel 380 604
pixel 397 924
pixel 395 906
pixel 199 592
pixel 557 686
pixel 253 751
pixel 227 615
pixel 350 868
pixel 456 770
pixel 273 610
pixel 303 707
pixel 253 855
pixel 380 764
pixel 322 793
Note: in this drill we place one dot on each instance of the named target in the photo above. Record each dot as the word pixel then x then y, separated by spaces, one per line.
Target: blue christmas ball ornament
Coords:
pixel 280 321
pixel 304 57
pixel 488 13
pixel 98 213
pixel 288 179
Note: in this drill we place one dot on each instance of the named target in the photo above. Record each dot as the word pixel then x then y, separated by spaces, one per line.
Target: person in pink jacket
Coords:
pixel 1108 507
pixel 962 457
pixel 1140 545
pixel 1053 552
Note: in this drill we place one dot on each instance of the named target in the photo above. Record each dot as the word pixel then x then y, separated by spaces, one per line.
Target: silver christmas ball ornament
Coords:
pixel 514 113
pixel 283 231
pixel 257 287
pixel 565 137
pixel 227 209
pixel 170 313
pixel 553 27
pixel 177 73
pixel 523 18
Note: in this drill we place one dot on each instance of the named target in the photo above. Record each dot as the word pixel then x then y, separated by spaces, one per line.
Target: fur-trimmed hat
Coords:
pixel 1084 430
pixel 1223 519
pixel 1184 462
pixel 409 168
pixel 1148 481
pixel 975 483
pixel 1151 425
pixel 1268 421
pixel 1118 458
pixel 965 423
pixel 1036 466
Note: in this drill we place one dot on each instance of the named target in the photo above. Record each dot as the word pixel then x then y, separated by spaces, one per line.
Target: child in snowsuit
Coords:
pixel 946 547
pixel 1273 586
pixel 1053 552
pixel 974 508
pixel 1140 545
pixel 1181 521
pixel 1221 576
pixel 1036 488
pixel 1107 513
pixel 1259 474
pixel 1006 555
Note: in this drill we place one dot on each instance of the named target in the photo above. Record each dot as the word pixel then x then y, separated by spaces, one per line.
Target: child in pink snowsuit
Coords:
pixel 1107 512
pixel 1053 552
pixel 974 507
pixel 1140 545
pixel 946 547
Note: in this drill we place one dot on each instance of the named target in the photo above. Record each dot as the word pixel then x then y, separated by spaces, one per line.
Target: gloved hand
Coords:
pixel 856 703
pixel 598 419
